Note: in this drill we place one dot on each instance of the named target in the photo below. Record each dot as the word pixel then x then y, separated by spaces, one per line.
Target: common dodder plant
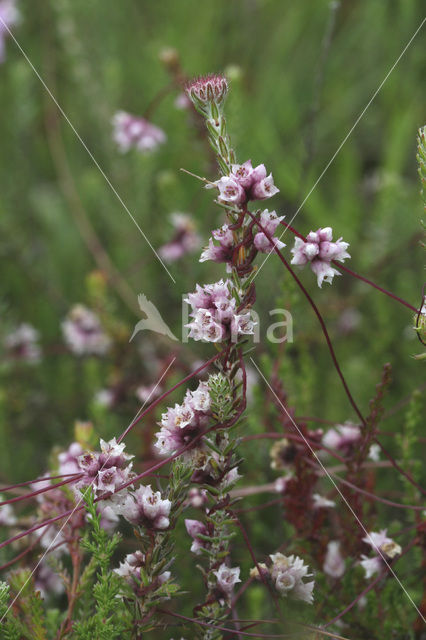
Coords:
pixel 315 577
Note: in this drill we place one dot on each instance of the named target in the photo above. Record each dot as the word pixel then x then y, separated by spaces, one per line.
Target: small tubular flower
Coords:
pixel 287 573
pixel 227 578
pixel 334 563
pixel 181 423
pixel 144 507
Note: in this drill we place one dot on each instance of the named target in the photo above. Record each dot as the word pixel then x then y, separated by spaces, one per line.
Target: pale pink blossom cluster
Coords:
pixel 68 460
pixel 22 344
pixel 214 314
pixel 343 438
pixel 130 569
pixel 270 222
pixel 181 423
pixel 287 573
pixel 9 17
pixel 83 332
pixel 319 251
pixel 227 578
pixel 135 132
pixel 143 507
pixel 334 562
pixel 385 548
pixel 106 470
pixel 245 183
pixel 185 239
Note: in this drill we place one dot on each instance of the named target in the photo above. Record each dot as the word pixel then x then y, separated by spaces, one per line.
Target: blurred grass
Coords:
pixel 99 57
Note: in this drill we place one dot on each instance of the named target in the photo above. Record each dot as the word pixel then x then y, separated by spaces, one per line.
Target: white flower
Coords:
pixel 227 578
pixel 287 573
pixel 334 563
pixel 321 502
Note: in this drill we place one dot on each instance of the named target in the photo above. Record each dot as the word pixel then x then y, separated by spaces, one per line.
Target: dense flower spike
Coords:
pixel 9 17
pixel 22 344
pixel 83 332
pixel 136 132
pixel 180 424
pixel 214 313
pixel 143 507
pixel 319 250
pixel 185 239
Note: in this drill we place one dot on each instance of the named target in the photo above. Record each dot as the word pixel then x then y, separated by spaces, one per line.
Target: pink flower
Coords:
pixel 9 16
pixel 22 344
pixel 68 460
pixel 197 497
pixel 105 471
pixel 194 528
pixel 180 425
pixel 230 190
pixel 343 438
pixel 385 547
pixel 227 578
pixel 264 188
pixel 185 239
pixel 7 517
pixel 319 250
pixel 270 222
pixel 380 541
pixel 214 316
pixel 133 131
pixel 83 332
pixel 144 507
pixel 334 563
pixel 225 250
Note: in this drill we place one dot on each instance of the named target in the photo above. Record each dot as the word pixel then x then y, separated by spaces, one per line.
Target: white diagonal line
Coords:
pixel 79 502
pixel 92 157
pixel 340 493
pixel 339 148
